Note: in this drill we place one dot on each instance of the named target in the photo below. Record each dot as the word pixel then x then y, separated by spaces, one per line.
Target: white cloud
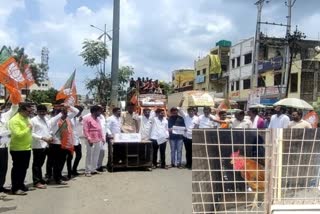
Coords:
pixel 156 37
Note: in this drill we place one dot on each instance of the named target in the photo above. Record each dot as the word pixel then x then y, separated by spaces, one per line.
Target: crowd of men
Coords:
pixel 57 139
pixel 253 118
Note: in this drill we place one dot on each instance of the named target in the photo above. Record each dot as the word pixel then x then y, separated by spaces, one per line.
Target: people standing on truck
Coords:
pixel 129 120
pixel 175 139
pixel 159 137
pixel 94 136
pixel 4 143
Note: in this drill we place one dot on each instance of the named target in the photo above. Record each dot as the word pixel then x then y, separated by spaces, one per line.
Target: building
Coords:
pixel 305 72
pixel 183 80
pixel 240 71
pixel 211 72
pixel 272 77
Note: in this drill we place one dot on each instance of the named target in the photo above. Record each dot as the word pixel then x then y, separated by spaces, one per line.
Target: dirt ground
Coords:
pixel 128 191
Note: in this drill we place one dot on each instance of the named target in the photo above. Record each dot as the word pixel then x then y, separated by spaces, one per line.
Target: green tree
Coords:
pixel 93 54
pixel 23 59
pixel 167 88
pixel 39 96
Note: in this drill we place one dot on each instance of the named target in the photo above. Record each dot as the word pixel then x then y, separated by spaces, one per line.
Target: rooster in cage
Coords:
pixel 252 172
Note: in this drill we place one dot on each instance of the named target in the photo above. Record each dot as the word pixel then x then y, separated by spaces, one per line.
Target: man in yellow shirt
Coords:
pixel 20 148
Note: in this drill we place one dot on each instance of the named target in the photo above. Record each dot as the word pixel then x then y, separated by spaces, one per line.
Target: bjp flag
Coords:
pixel 68 92
pixel 10 75
pixel 28 77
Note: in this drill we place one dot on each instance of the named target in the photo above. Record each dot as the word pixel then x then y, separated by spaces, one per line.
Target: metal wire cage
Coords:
pixel 250 170
pixel 296 169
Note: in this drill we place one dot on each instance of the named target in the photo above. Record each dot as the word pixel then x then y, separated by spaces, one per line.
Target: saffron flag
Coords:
pixel 29 80
pixel 68 92
pixel 10 75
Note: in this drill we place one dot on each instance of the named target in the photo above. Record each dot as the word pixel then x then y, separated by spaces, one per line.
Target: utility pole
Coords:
pixel 115 54
pixel 105 46
pixel 285 71
pixel 255 67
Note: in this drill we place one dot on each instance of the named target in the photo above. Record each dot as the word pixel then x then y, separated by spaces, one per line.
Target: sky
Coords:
pixel 156 37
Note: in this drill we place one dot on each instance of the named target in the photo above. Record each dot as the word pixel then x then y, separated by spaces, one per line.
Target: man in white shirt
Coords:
pixel 207 120
pixel 77 129
pixel 145 124
pixel 4 142
pixel 113 127
pixel 159 137
pixel 191 121
pixel 42 136
pixel 58 153
pixel 279 120
pixel 240 121
pixel 297 122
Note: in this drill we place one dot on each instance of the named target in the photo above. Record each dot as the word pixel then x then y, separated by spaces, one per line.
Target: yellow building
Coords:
pixel 211 71
pixel 183 79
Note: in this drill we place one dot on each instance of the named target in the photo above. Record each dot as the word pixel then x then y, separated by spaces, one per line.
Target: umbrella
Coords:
pixel 294 103
pixel 257 106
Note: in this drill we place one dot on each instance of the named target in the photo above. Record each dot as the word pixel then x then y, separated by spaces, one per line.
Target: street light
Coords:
pixel 105 33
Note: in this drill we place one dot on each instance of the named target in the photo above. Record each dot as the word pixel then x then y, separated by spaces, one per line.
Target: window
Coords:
pixel 277 79
pixel 238 61
pixel 237 85
pixel 198 73
pixel 224 68
pixel 248 58
pixel 246 84
pixel 294 83
pixel 233 63
pixel 261 82
pixel 204 71
pixel 232 86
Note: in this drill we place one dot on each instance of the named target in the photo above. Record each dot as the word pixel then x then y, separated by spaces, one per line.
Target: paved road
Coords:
pixel 133 192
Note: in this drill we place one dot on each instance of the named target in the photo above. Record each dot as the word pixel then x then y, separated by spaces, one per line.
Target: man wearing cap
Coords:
pixel 4 141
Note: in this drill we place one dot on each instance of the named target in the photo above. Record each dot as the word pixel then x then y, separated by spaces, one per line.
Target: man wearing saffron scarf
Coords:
pixel 62 141
pixel 94 136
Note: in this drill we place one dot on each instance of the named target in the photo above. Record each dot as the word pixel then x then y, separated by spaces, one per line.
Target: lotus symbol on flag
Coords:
pixel 67 91
pixel 29 74
pixel 15 73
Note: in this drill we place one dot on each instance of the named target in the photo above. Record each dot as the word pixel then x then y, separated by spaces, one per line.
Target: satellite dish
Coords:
pixel 317 48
